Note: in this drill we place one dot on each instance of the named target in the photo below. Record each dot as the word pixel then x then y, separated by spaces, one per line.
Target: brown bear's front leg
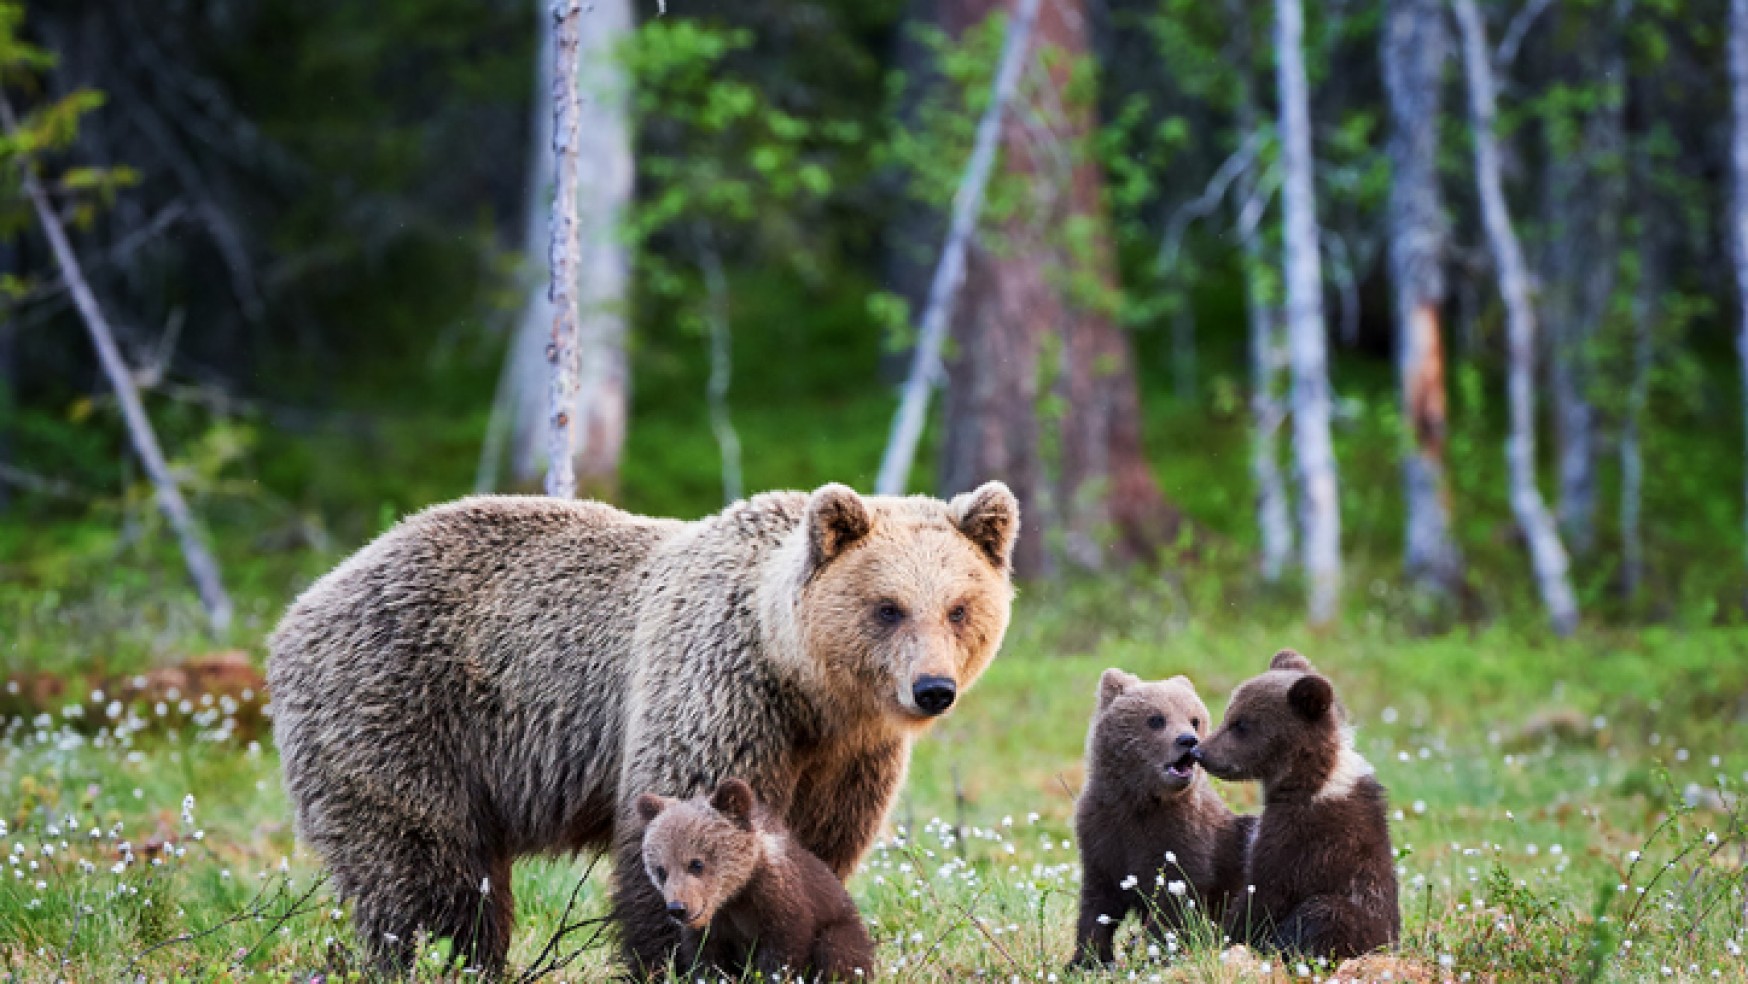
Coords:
pixel 1102 908
pixel 648 937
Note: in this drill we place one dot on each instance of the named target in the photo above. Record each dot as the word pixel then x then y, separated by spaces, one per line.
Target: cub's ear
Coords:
pixel 1289 659
pixel 1311 696
pixel 650 806
pixel 1112 684
pixel 734 800
pixel 989 516
pixel 836 518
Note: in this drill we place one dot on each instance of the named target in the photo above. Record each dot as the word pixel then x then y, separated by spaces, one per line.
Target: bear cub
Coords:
pixel 1321 861
pixel 1154 835
pixel 744 894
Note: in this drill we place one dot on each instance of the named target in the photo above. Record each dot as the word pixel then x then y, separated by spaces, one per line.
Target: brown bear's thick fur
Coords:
pixel 1148 817
pixel 501 676
pixel 745 895
pixel 1321 861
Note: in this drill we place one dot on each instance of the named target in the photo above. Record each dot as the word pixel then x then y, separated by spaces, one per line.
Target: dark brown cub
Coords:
pixel 1321 861
pixel 1154 836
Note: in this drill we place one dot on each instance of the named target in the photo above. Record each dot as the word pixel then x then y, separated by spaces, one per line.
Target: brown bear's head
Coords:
pixel 1282 728
pixel 700 852
pixel 1146 733
pixel 905 598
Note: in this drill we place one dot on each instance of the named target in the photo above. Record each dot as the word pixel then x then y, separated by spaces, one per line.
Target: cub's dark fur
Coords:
pixel 1149 817
pixel 1321 862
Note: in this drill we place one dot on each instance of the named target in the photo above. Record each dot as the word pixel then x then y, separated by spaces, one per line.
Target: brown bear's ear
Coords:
pixel 1112 683
pixel 836 518
pixel 989 516
pixel 650 806
pixel 1185 681
pixel 734 800
pixel 1289 659
pixel 1310 696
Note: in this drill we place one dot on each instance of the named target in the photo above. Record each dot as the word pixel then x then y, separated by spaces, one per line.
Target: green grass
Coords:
pixel 1523 771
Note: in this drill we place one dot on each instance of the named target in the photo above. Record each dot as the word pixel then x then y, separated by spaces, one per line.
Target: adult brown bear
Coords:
pixel 503 676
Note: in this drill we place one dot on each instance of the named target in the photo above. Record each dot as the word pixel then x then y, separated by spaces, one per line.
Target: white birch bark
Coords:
pixel 605 166
pixel 926 369
pixel 202 566
pixel 1646 304
pixel 1414 47
pixel 1320 508
pixel 1738 220
pixel 1547 554
pixel 561 351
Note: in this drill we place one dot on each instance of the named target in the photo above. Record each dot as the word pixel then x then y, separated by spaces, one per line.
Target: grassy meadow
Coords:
pixel 1562 811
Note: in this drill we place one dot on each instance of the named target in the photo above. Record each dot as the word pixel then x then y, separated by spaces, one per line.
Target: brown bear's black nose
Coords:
pixel 677 911
pixel 1187 740
pixel 934 694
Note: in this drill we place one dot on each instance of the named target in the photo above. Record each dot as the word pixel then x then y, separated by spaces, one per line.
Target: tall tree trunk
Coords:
pixel 1320 508
pixel 202 566
pixel 604 160
pixel 1547 554
pixel 717 319
pixel 949 273
pixel 1739 200
pixel 1414 49
pixel 561 351
pixel 1105 500
pixel 1268 411
pixel 1647 304
pixel 1585 198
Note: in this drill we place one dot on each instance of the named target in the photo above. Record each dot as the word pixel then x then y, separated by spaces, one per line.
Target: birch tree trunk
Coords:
pixel 1262 318
pixel 1646 308
pixel 1547 553
pixel 926 369
pixel 561 351
pixel 1414 49
pixel 1320 509
pixel 718 325
pixel 605 166
pixel 1738 220
pixel 202 567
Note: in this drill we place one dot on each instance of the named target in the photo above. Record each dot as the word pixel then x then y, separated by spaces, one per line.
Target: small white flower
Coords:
pixel 1128 883
pixel 1633 856
pixel 1711 838
pixel 485 886
pixel 1170 858
pixel 1302 970
pixel 1104 920
pixel 1176 888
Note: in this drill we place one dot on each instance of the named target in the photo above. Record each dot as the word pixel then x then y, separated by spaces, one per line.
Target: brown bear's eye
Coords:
pixel 1156 722
pixel 956 614
pixel 889 613
pixel 661 874
pixel 1195 724
pixel 696 867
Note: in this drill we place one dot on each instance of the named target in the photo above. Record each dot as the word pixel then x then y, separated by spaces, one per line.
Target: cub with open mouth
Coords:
pixel 745 895
pixel 1154 835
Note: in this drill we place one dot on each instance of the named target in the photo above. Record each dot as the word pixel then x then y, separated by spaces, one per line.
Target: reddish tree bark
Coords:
pixel 1104 503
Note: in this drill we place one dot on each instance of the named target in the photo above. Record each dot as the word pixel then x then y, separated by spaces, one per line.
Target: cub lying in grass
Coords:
pixel 746 895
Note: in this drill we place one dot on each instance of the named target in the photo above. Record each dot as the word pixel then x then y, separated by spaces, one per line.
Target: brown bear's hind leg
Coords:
pixel 470 905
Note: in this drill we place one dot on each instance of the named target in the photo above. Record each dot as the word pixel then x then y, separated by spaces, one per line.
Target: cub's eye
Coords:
pixel 1195 724
pixel 696 867
pixel 889 613
pixel 956 614
pixel 1156 722
pixel 661 874
pixel 1239 726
